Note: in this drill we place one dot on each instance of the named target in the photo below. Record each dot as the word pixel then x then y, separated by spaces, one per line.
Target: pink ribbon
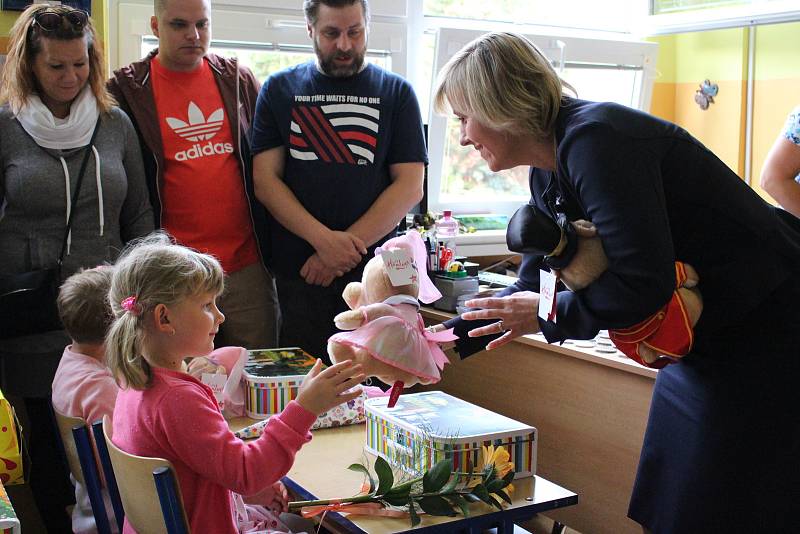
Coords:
pixel 434 338
pixel 369 508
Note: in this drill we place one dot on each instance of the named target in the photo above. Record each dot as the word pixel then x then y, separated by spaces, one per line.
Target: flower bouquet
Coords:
pixel 439 491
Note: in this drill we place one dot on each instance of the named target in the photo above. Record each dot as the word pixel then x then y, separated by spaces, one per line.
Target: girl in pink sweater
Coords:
pixel 163 297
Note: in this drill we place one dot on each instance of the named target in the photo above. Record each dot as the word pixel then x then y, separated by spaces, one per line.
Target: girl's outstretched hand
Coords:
pixel 322 390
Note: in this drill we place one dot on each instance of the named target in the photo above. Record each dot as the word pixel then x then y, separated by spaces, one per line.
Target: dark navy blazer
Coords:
pixel 656 195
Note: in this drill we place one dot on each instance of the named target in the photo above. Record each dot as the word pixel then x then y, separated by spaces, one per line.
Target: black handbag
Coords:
pixel 530 231
pixel 28 300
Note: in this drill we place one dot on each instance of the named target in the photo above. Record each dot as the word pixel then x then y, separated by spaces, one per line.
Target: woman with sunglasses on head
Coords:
pixel 53 99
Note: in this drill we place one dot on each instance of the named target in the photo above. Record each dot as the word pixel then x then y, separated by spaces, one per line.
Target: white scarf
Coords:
pixel 75 131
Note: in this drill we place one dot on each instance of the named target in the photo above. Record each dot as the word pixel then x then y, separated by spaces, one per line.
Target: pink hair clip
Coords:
pixel 129 305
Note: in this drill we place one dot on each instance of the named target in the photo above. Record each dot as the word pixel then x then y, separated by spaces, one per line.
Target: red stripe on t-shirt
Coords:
pixel 297 141
pixel 331 132
pixel 309 133
pixel 359 136
pixel 320 131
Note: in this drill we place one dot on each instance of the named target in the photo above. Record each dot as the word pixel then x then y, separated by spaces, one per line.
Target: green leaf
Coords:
pixel 460 502
pixel 396 499
pixel 471 497
pixel 480 492
pixel 435 505
pixel 509 478
pixel 399 490
pixel 361 469
pixel 503 495
pixel 412 512
pixel 450 486
pixel 494 502
pixel 385 475
pixel 496 484
pixel 437 476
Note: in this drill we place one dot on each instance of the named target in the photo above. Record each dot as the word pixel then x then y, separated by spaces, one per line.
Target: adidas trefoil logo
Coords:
pixel 199 128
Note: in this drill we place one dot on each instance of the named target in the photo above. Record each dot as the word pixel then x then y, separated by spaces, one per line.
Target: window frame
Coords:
pixel 718 18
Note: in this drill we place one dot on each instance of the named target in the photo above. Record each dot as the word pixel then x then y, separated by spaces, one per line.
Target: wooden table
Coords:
pixel 320 472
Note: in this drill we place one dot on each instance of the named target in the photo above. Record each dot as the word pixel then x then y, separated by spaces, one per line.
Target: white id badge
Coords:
pixel 547 295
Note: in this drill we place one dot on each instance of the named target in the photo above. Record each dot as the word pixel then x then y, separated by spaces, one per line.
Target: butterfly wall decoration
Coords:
pixel 704 96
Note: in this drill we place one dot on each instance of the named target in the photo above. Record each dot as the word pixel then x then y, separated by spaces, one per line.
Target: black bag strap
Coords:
pixel 77 191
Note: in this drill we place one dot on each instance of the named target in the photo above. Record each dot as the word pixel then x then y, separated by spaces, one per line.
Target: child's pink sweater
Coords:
pixel 177 418
pixel 84 387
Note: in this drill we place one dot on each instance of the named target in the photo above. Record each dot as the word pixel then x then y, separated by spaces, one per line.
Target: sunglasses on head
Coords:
pixel 50 21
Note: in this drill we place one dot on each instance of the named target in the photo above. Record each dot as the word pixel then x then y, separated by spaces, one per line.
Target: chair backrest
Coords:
pixel 65 425
pixel 137 489
pixel 83 464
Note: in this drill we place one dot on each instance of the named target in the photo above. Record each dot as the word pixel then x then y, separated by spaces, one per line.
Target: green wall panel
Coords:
pixel 716 55
pixel 777 55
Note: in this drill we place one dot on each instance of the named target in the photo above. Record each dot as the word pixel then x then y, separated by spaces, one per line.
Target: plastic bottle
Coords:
pixel 446 232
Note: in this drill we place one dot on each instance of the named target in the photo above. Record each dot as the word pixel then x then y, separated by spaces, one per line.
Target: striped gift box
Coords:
pixel 424 428
pixel 273 378
pixel 267 398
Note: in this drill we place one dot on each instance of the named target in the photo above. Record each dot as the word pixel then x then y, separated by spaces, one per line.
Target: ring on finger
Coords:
pixel 501 325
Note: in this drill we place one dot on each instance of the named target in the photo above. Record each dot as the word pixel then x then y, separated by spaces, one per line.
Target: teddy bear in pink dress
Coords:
pixel 384 331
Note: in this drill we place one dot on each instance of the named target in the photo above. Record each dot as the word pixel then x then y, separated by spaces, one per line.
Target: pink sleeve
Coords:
pixel 198 434
pixel 99 394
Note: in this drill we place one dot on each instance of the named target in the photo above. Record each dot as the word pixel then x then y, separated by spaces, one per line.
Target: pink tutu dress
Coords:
pixel 400 340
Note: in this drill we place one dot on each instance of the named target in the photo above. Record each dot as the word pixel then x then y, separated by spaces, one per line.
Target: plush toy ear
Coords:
pixel 352 294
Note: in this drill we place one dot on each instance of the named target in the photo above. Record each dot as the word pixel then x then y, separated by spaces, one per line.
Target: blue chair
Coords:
pixel 146 485
pixel 82 464
pixel 108 472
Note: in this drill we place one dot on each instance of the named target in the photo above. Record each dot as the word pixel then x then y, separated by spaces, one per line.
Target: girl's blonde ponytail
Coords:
pixel 124 353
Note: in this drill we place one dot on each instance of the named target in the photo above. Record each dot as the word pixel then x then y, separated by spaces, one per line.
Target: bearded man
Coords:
pixel 339 160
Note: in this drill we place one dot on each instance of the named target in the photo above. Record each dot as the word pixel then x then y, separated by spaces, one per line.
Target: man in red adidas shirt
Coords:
pixel 192 111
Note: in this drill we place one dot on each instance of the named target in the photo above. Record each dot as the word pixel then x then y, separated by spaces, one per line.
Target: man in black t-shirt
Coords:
pixel 339 161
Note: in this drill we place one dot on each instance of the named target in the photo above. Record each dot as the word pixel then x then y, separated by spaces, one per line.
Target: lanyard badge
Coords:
pixel 547 295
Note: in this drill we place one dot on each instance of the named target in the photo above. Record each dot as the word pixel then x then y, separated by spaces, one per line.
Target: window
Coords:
pixel 674 16
pixel 603 70
pixel 263 59
pixel 660 7
pixel 608 15
pixel 264 41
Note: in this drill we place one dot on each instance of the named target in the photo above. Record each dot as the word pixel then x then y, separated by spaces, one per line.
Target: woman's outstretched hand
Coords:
pixel 516 314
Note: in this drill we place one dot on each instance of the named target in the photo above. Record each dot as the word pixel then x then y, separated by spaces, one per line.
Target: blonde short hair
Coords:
pixel 25 43
pixel 83 304
pixel 154 271
pixel 503 81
